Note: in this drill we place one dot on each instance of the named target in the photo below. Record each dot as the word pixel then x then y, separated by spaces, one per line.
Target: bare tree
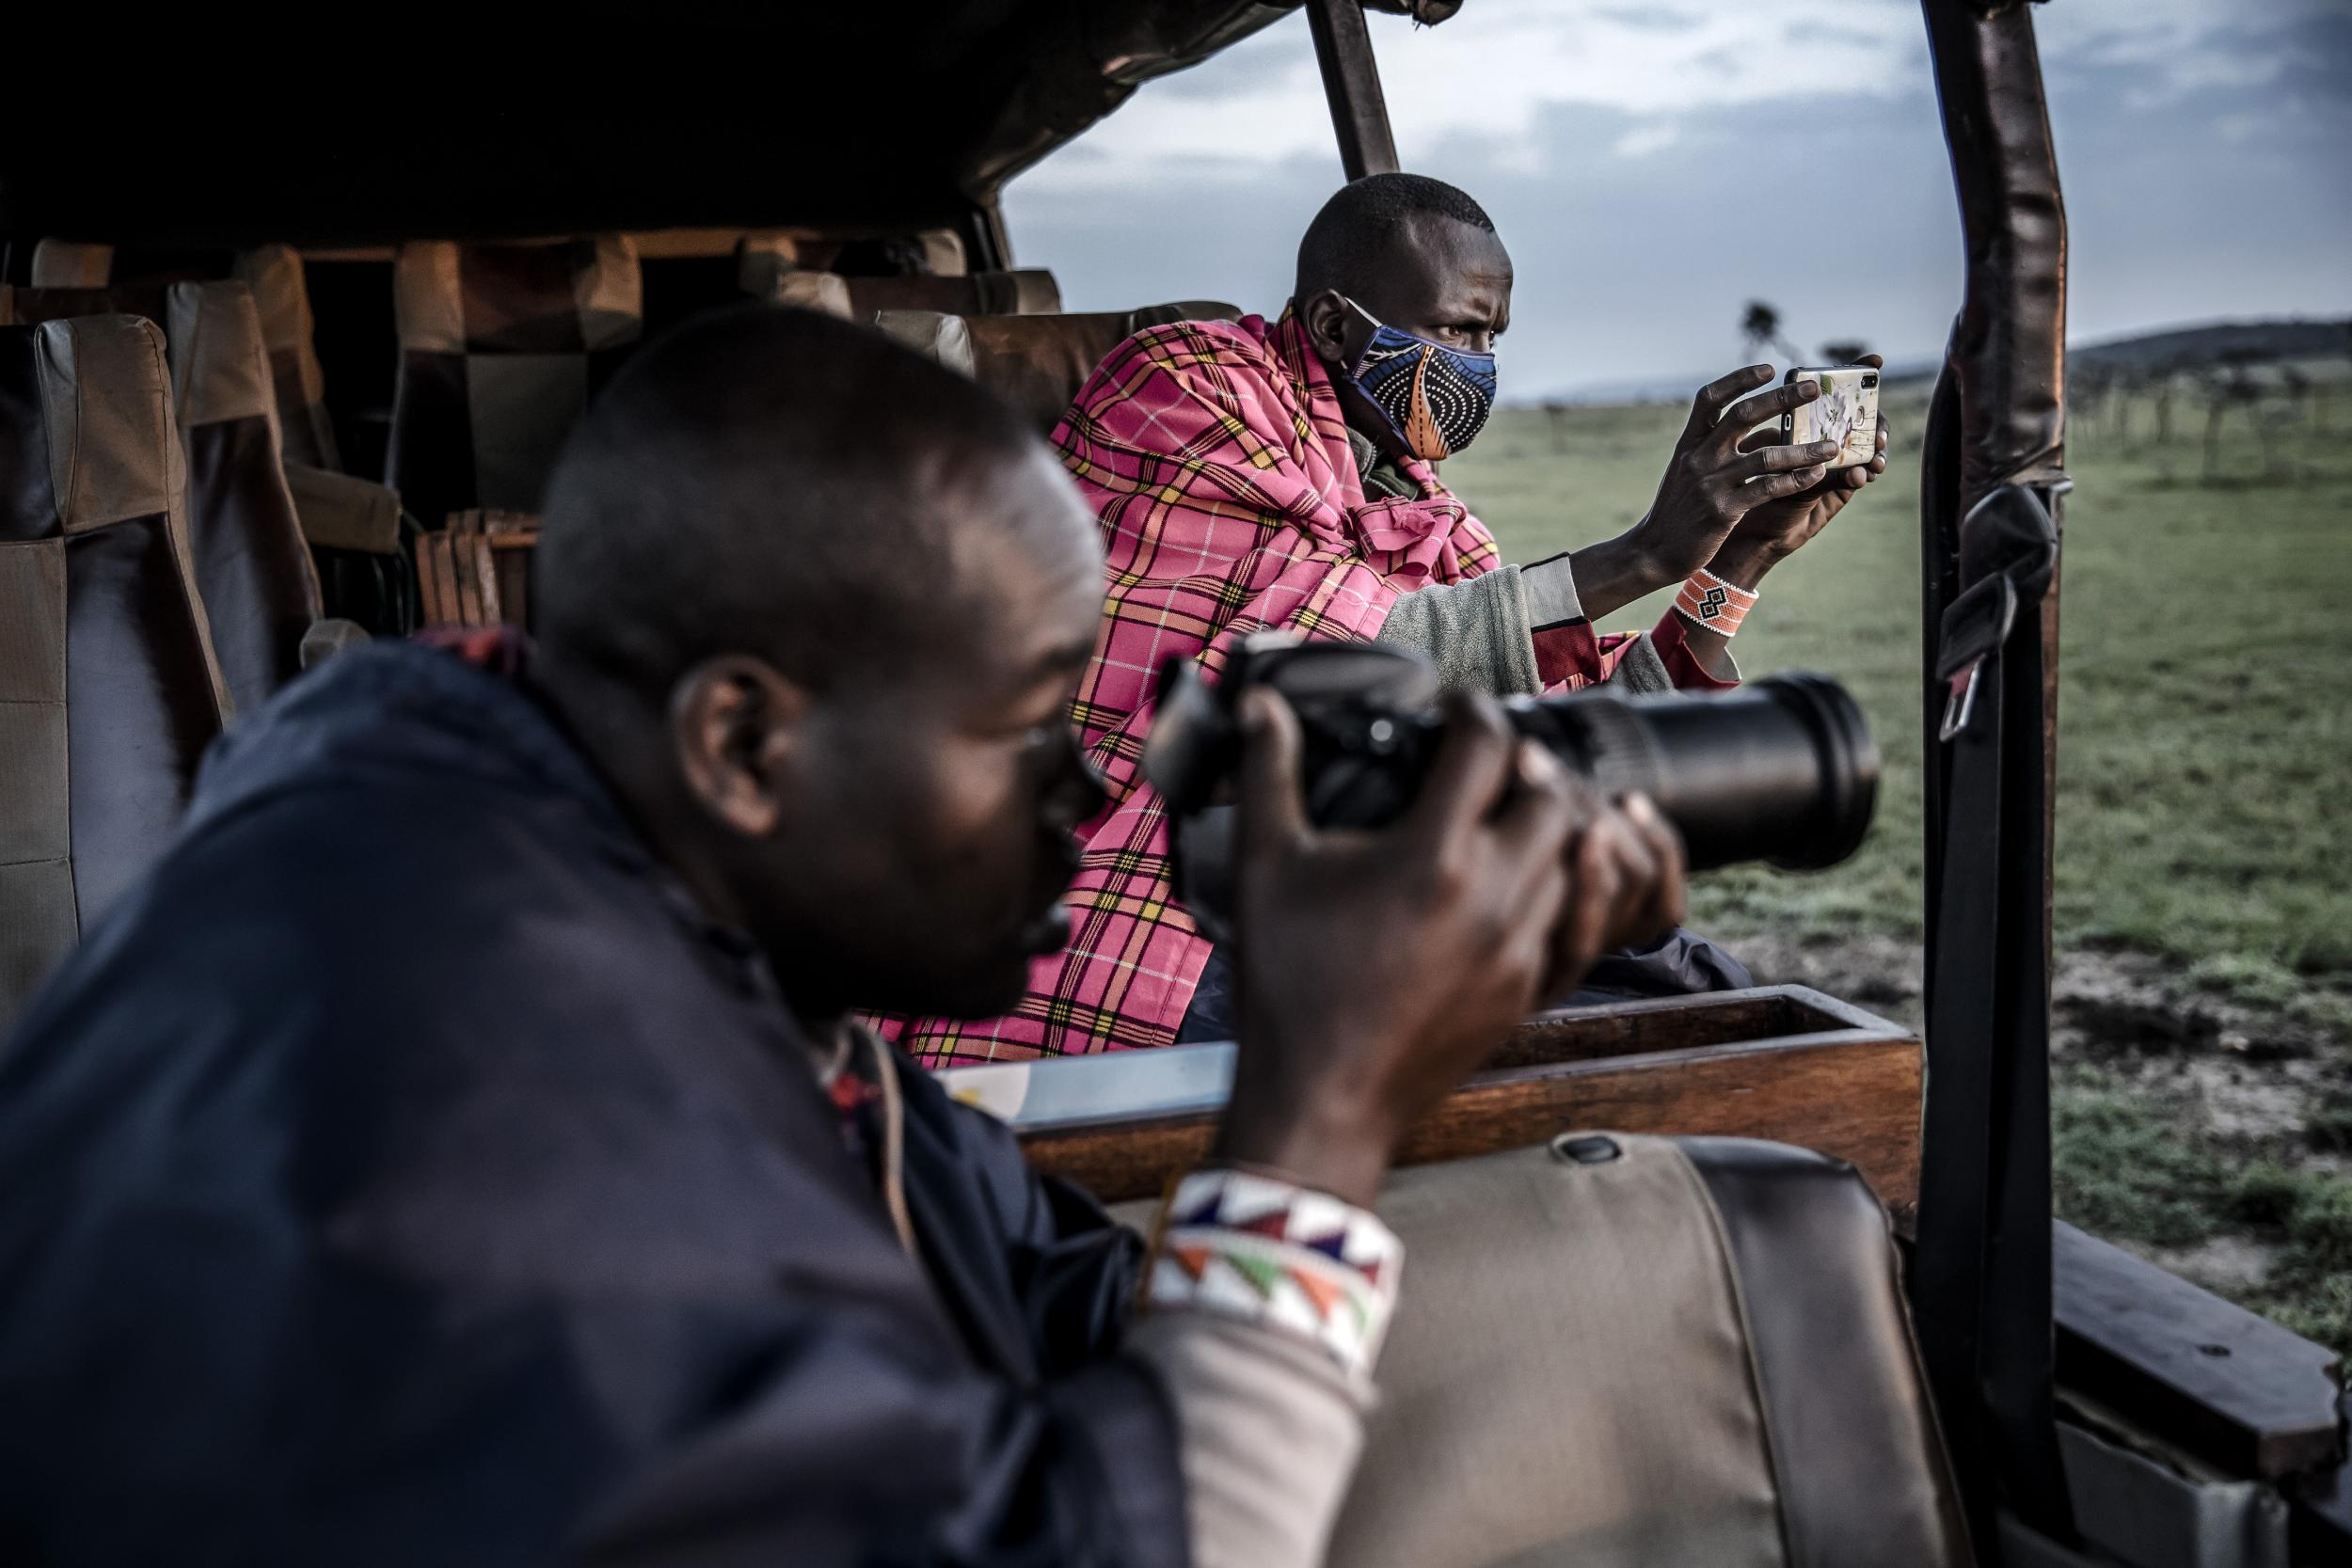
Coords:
pixel 2226 387
pixel 2297 387
pixel 1760 325
pixel 2086 396
pixel 2166 384
pixel 1556 417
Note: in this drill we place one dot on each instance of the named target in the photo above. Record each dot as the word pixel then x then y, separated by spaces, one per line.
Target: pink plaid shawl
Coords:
pixel 1218 460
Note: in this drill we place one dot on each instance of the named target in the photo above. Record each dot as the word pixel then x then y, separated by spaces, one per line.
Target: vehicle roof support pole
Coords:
pixel 1992 477
pixel 1351 85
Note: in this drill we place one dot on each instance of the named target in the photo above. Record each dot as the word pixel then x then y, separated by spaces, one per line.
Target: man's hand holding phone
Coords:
pixel 1773 531
pixel 1737 496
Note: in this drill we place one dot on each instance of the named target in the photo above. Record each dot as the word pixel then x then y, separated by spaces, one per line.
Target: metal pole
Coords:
pixel 1351 85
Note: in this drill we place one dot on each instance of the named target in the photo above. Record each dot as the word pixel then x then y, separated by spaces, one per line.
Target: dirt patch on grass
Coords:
pixel 2205 1127
pixel 2263 1068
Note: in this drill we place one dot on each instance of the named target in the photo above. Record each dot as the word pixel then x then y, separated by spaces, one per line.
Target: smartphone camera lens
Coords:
pixel 1870 378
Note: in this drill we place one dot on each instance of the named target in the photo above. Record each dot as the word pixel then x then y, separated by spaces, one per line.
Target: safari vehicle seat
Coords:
pixel 825 293
pixel 1028 291
pixel 929 253
pixel 1037 363
pixel 1615 1350
pixel 686 275
pixel 280 293
pixel 108 690
pixel 500 348
pixel 260 593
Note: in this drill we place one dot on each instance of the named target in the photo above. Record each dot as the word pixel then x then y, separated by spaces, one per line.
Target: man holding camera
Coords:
pixel 457 1149
pixel 1279 475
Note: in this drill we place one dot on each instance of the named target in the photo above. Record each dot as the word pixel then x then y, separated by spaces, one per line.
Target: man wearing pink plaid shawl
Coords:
pixel 1259 475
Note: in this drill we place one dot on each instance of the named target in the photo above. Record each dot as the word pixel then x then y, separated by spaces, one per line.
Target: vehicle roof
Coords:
pixel 886 115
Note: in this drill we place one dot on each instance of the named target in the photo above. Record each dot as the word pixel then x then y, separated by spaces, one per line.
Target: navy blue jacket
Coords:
pixel 406 1172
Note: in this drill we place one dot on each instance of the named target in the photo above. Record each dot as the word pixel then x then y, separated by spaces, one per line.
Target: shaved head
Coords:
pixel 816 608
pixel 1352 242
pixel 770 480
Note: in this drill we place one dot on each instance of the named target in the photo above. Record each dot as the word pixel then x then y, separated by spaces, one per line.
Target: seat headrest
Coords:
pixel 944 339
pixel 281 294
pixel 219 362
pixel 1038 363
pixel 67 264
pixel 559 297
pixel 762 257
pixel 1028 291
pixel 106 410
pixel 825 293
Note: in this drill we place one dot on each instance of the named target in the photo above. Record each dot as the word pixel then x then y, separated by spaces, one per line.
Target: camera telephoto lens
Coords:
pixel 1782 769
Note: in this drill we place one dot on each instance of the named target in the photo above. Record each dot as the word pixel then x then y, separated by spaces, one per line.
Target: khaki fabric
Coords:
pixel 944 339
pixel 1033 293
pixel 1566 1381
pixel 942 252
pixel 114 446
pixel 32 702
pixel 113 449
pixel 64 265
pixel 219 362
pixel 282 296
pixel 825 293
pixel 611 293
pixel 761 257
pixel 341 512
pixel 37 920
pixel 521 406
pixel 428 300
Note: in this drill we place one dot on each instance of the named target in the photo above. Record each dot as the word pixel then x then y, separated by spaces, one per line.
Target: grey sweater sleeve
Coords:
pixel 1474 631
pixel 1481 632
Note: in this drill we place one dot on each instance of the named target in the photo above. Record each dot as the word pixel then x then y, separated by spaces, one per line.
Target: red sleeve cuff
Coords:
pixel 1682 666
pixel 1569 653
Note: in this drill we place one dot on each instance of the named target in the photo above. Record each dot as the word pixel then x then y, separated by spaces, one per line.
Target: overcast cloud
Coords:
pixel 1654 165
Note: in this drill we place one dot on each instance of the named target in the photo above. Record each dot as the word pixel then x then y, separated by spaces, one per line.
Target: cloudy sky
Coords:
pixel 1655 165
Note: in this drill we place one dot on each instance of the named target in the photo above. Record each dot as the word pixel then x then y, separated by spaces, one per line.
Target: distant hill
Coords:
pixel 2270 339
pixel 2292 338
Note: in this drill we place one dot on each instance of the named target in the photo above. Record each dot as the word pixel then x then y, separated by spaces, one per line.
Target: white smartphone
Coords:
pixel 1847 412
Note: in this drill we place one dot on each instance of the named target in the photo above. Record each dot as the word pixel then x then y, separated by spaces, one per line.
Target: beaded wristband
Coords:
pixel 1263 1251
pixel 1714 603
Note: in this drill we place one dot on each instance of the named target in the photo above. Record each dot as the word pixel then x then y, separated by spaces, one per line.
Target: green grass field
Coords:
pixel 2204 733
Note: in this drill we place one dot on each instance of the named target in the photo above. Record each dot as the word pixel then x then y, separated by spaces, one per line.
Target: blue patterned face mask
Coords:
pixel 1437 398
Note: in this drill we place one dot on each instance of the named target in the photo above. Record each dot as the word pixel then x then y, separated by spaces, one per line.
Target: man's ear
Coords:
pixel 1326 317
pixel 736 724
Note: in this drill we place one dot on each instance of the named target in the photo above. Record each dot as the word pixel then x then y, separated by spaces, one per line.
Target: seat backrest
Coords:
pixel 825 293
pixel 1030 291
pixel 71 264
pixel 501 347
pixel 259 592
pixel 280 293
pixel 1037 363
pixel 108 690
pixel 1633 1350
pixel 281 296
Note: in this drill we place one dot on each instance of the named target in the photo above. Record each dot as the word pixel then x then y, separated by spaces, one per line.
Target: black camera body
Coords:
pixel 1782 769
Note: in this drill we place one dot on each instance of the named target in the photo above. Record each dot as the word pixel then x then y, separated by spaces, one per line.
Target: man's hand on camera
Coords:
pixel 1625 884
pixel 1774 531
pixel 1713 481
pixel 1378 969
